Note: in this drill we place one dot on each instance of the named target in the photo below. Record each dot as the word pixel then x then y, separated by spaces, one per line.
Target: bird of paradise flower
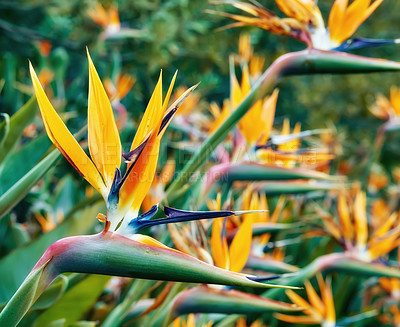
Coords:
pixel 319 310
pixel 352 231
pixel 305 23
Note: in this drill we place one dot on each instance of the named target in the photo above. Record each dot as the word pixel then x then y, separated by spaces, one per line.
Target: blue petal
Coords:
pixel 359 43
pixel 173 216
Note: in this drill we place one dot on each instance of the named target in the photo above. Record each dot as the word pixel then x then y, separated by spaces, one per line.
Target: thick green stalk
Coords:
pixel 310 61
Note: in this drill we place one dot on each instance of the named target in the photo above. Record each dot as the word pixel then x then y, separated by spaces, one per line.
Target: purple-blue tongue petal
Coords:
pixel 173 216
pixel 359 43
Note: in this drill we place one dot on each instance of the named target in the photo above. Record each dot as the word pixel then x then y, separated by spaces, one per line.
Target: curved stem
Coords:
pixel 376 153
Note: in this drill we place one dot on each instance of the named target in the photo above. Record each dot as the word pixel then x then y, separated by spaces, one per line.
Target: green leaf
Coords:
pixel 209 300
pixel 259 172
pixel 262 228
pixel 6 129
pixel 26 295
pixel 297 187
pixel 57 323
pixel 16 165
pixel 22 260
pixel 22 118
pixel 341 262
pixel 75 302
pixel 269 265
pixel 52 294
pixel 21 188
pixel 83 324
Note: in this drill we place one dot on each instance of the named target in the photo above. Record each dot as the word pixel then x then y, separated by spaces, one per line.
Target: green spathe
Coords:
pixel 205 299
pixel 108 253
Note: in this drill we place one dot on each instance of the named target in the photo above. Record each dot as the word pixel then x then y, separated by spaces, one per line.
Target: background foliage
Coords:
pixel 171 34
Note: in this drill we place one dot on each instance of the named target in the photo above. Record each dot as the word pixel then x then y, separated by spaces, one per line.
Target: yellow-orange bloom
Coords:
pixel 119 89
pixel 247 57
pixel 385 108
pixel 254 201
pixel 190 321
pixel 235 256
pixel 156 191
pixel 288 153
pixel 122 194
pixel 108 19
pixel 318 309
pixel 353 231
pixel 345 19
pixel 392 286
pixel 219 115
pixel 305 21
pixel 242 323
pixel 257 122
pixel 48 223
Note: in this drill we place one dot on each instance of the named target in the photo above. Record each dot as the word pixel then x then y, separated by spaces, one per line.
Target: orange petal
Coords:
pixel 344 217
pixel 360 217
pixel 315 300
pixel 104 142
pixel 239 249
pixel 305 320
pixel 327 298
pixel 219 246
pixel 63 139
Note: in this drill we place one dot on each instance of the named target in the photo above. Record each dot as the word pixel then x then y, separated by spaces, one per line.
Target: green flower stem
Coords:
pixel 310 61
pixel 376 152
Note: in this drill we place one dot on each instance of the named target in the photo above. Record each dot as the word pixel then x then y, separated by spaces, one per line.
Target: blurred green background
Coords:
pixel 167 35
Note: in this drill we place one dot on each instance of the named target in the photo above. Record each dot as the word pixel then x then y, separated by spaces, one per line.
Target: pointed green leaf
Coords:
pixel 269 265
pixel 21 119
pixel 357 267
pixel 16 165
pixel 253 171
pixel 209 300
pixel 26 295
pixel 22 260
pixel 108 253
pixel 75 302
pixel 297 187
pixel 52 293
pixel 262 228
pixel 21 188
